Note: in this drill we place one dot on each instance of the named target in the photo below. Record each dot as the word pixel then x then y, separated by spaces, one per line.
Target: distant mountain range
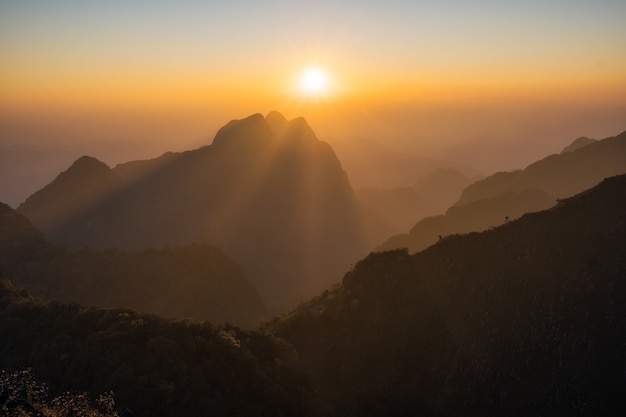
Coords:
pixel 399 188
pixel 525 319
pixel 560 175
pixel 507 195
pixel 196 281
pixel 475 216
pixel 266 191
pixel 401 207
pixel 371 164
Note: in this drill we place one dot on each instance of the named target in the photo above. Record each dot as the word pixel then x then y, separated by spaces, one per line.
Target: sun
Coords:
pixel 313 81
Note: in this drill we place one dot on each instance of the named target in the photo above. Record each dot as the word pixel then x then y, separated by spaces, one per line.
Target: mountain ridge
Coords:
pixel 504 196
pixel 475 216
pixel 195 281
pixel 560 175
pixel 272 202
pixel 578 143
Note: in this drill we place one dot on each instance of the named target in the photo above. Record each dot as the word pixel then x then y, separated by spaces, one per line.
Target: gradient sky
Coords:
pixel 430 75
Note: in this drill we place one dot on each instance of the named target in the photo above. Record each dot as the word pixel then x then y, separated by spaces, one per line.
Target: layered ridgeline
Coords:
pixel 507 195
pixel 195 281
pixel 266 191
pixel 560 175
pixel 578 143
pixel 399 188
pixel 525 319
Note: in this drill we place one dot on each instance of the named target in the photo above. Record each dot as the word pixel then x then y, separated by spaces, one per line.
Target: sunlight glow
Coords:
pixel 313 81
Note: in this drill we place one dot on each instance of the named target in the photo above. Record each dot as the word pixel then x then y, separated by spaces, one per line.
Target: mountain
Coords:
pixel 472 217
pixel 27 166
pixel 508 195
pixel 151 365
pixel 277 123
pixel 524 319
pixel 401 207
pixel 62 205
pixel 196 281
pixel 578 143
pixel 16 231
pixel 559 175
pixel 266 191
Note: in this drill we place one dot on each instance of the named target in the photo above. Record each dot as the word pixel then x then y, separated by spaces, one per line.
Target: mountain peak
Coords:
pixel 88 164
pixel 299 129
pixel 82 185
pixel 277 122
pixel 251 128
pixel 86 171
pixel 580 142
pixel 259 130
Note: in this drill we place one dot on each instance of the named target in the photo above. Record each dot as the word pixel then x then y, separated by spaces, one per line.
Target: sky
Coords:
pixel 493 84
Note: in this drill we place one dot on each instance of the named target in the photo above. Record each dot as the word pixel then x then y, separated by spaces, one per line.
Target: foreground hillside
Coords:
pixel 156 367
pixel 266 191
pixel 195 281
pixel 526 319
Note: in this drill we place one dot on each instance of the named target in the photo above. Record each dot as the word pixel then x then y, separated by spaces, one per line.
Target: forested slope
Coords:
pixel 526 319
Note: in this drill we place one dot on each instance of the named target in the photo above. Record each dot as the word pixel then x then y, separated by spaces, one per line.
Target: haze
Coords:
pixel 494 85
pixel 312 208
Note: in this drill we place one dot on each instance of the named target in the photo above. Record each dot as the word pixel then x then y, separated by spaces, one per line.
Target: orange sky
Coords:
pixel 418 75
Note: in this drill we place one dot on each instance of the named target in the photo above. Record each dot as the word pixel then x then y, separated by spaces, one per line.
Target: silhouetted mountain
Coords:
pixel 580 142
pixel 401 207
pixel 277 123
pixel 155 367
pixel 472 217
pixel 196 281
pixel 504 196
pixel 559 175
pixel 16 230
pixel 525 319
pixel 280 204
pixel 27 167
pixel 138 170
pixel 60 207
